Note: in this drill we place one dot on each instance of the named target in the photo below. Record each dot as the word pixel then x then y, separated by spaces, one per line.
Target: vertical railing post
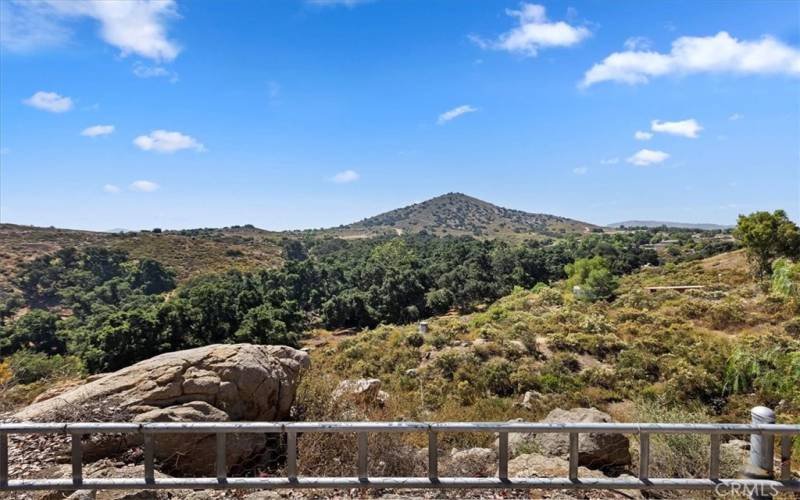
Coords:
pixel 713 469
pixel 363 451
pixel 644 456
pixel 3 459
pixel 433 456
pixel 502 455
pixel 762 451
pixel 786 457
pixel 222 466
pixel 149 459
pixel 573 456
pixel 291 455
pixel 77 459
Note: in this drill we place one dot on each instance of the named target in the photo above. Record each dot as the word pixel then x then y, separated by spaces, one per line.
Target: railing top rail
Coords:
pixel 279 427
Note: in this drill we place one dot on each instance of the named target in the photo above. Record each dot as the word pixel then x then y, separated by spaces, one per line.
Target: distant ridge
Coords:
pixel 460 215
pixel 679 225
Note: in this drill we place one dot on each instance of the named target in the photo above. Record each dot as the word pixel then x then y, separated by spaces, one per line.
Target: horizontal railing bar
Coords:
pixel 401 482
pixel 278 427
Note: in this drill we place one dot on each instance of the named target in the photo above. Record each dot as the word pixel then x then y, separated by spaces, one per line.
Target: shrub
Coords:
pixel 415 339
pixel 496 374
pixel 725 315
pixel 28 367
pixel 786 279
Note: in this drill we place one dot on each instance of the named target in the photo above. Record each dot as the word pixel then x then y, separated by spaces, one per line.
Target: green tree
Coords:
pixel 36 330
pixel 767 236
pixel 593 277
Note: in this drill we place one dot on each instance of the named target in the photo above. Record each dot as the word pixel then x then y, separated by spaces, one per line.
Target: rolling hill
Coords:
pixel 461 215
pixel 678 225
pixel 195 251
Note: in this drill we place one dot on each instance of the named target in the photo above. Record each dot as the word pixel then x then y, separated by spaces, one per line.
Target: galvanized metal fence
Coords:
pixel 762 435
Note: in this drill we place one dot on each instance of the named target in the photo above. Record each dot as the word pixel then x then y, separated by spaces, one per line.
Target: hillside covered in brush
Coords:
pixel 457 214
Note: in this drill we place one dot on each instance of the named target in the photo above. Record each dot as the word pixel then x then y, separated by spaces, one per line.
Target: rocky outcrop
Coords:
pixel 247 382
pixel 216 383
pixel 595 450
pixel 365 392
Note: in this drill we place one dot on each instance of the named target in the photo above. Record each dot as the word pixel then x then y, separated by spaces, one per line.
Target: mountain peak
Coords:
pixel 459 214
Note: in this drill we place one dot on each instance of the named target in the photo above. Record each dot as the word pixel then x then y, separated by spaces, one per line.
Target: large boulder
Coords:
pixel 595 450
pixel 216 383
pixel 246 381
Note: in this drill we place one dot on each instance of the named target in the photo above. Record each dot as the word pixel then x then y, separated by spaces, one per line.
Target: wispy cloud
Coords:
pixel 98 130
pixel 720 53
pixel 645 157
pixel 165 141
pixel 141 70
pixel 134 26
pixel 580 170
pixel 610 161
pixel 112 188
pixel 534 32
pixel 49 101
pixel 684 128
pixel 346 177
pixel 144 186
pixel 642 136
pixel 455 113
pixel 638 43
pixel 735 117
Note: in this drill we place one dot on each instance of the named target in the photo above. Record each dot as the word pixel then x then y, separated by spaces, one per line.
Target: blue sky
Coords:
pixel 297 114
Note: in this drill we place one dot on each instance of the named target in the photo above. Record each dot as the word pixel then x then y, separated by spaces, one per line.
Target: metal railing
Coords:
pixel 765 434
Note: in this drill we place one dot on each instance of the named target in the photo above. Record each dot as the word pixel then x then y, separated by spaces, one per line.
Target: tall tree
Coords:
pixel 767 236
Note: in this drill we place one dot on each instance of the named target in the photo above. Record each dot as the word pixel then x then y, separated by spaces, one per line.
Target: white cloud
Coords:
pixel 98 130
pixel 133 26
pixel 23 29
pixel 111 188
pixel 720 53
pixel 144 71
pixel 610 161
pixel 345 177
pixel 685 128
pixel 165 141
pixel 455 113
pixel 736 116
pixel 642 136
pixel 638 43
pixel 579 170
pixel 647 157
pixel 534 33
pixel 143 186
pixel 49 101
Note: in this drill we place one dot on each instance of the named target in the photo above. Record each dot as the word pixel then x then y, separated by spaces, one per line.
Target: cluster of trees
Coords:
pixel 111 310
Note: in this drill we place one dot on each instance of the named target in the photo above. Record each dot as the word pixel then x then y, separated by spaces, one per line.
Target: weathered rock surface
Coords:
pixel 472 462
pixel 364 391
pixel 595 450
pixel 536 465
pixel 216 383
pixel 247 382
